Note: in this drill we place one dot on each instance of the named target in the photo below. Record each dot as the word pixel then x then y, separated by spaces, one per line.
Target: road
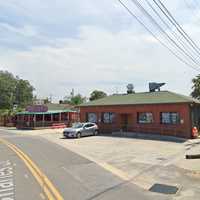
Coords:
pixel 26 161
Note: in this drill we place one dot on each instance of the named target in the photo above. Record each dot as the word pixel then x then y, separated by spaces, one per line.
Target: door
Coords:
pixel 124 122
pixel 88 129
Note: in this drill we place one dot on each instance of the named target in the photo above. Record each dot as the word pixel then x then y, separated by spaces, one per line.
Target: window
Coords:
pixel 91 117
pixel 77 125
pixel 108 117
pixel 89 125
pixel 145 118
pixel 170 118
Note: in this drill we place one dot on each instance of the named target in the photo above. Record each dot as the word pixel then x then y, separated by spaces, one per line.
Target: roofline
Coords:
pixel 47 113
pixel 139 104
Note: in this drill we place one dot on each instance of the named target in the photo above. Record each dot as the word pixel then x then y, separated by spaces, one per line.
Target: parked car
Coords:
pixel 81 129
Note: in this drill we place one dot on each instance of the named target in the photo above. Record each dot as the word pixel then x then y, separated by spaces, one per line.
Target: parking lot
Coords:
pixel 143 162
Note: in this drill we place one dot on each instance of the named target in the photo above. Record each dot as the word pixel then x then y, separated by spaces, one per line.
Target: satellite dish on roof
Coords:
pixel 130 88
pixel 155 86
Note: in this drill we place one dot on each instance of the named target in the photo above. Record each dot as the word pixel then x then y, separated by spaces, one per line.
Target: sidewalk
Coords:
pixel 192 147
pixel 30 132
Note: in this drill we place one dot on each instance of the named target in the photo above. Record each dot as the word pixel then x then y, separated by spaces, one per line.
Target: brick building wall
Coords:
pixel 130 112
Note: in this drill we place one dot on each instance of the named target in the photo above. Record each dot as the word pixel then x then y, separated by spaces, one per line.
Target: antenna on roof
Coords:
pixel 155 86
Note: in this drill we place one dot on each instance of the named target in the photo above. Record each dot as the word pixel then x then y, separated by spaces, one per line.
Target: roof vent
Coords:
pixel 130 88
pixel 155 86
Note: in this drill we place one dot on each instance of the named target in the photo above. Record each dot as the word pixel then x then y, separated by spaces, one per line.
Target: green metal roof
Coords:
pixel 161 97
pixel 46 113
pixel 57 106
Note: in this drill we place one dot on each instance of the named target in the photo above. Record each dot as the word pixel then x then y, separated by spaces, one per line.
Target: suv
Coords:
pixel 81 129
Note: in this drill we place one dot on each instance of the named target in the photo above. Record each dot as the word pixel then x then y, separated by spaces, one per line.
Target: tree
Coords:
pixel 24 93
pixel 7 90
pixel 14 90
pixel 77 99
pixel 73 99
pixel 196 87
pixel 97 94
pixel 67 100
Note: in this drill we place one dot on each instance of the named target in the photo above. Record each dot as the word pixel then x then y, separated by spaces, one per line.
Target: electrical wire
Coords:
pixel 169 16
pixel 181 40
pixel 162 31
pixel 160 41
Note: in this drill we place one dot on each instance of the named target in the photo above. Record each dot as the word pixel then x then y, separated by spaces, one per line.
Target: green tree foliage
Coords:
pixel 24 93
pixel 7 90
pixel 196 87
pixel 14 91
pixel 77 99
pixel 73 99
pixel 96 94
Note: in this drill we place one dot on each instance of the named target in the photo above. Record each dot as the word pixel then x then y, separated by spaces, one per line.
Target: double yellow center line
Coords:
pixel 49 189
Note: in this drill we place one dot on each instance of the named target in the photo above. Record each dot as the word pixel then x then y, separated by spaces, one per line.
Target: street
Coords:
pixel 73 176
pixel 100 100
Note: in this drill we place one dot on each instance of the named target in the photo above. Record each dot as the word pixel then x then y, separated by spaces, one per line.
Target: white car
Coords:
pixel 81 129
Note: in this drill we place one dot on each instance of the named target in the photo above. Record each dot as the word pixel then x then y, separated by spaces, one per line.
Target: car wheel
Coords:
pixel 96 132
pixel 78 135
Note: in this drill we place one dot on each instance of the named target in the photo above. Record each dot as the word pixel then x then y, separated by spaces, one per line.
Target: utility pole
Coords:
pixel 72 93
pixel 50 98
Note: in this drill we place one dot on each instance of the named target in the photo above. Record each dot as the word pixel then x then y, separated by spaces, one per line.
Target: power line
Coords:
pixel 169 16
pixel 162 31
pixel 186 46
pixel 160 41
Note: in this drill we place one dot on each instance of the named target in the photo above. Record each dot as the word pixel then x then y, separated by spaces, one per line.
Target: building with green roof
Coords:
pixel 161 112
pixel 47 115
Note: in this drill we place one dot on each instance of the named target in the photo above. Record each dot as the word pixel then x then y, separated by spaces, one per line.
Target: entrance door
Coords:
pixel 124 122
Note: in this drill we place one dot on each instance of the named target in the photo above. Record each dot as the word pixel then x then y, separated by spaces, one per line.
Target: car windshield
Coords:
pixel 77 125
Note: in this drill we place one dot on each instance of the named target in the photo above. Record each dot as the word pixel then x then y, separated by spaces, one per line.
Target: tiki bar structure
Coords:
pixel 46 116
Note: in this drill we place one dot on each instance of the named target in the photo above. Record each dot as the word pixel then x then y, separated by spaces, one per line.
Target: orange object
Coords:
pixel 194 132
pixel 58 125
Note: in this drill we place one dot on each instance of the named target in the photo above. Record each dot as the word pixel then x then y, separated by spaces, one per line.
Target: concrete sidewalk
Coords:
pixel 31 132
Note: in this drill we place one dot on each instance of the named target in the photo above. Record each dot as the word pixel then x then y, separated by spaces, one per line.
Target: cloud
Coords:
pixel 87 45
pixel 57 20
pixel 98 59
pixel 27 31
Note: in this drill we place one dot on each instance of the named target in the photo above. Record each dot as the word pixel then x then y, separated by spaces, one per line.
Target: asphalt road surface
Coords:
pixel 33 168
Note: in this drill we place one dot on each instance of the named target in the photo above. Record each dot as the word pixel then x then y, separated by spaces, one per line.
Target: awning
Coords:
pixel 46 113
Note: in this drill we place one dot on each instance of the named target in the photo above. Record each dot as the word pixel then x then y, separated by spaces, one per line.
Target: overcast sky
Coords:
pixel 89 44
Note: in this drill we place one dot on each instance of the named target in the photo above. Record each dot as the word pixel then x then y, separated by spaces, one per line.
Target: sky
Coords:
pixel 87 45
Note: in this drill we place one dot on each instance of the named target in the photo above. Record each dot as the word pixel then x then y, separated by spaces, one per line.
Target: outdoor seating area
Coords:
pixel 40 117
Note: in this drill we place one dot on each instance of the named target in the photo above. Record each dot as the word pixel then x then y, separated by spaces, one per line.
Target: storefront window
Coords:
pixel 170 118
pixel 145 118
pixel 108 117
pixel 92 117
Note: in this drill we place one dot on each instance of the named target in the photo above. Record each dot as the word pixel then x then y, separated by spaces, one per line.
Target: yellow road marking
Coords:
pixel 42 196
pixel 49 189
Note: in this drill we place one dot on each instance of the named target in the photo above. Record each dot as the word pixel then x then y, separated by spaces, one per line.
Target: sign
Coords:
pixel 37 108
